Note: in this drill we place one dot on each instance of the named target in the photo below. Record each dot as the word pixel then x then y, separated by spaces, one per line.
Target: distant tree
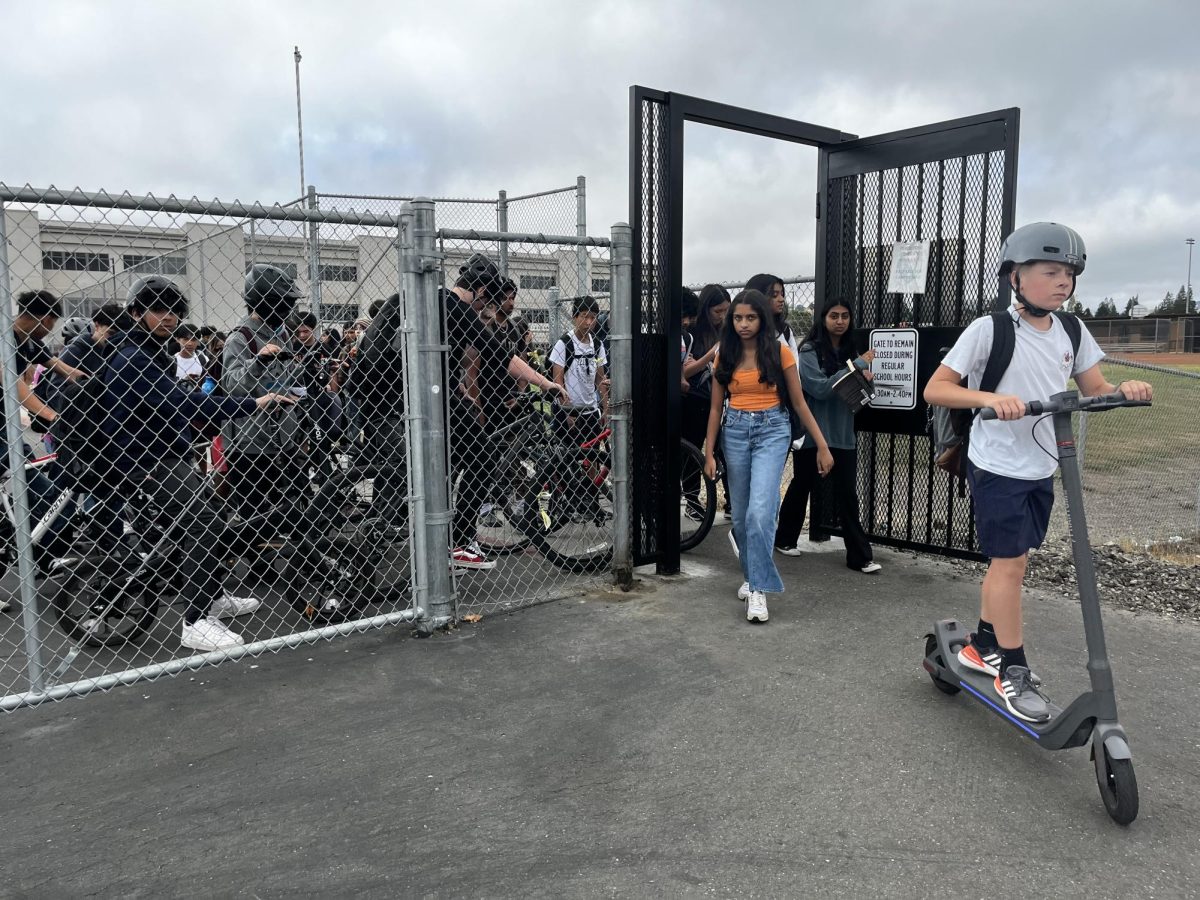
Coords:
pixel 1129 305
pixel 1075 306
pixel 801 319
pixel 1107 309
pixel 1166 306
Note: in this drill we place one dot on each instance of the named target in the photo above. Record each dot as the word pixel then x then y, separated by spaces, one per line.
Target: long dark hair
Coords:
pixel 831 358
pixel 763 283
pixel 766 348
pixel 704 333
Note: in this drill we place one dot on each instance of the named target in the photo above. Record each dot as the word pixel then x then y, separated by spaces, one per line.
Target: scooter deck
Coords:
pixel 1070 727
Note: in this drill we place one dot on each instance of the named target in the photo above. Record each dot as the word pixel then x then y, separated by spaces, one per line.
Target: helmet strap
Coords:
pixel 1036 311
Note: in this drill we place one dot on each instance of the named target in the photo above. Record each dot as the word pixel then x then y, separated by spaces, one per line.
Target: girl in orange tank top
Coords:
pixel 759 378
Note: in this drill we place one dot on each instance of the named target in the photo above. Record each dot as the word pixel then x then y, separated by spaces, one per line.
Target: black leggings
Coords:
pixel 694 427
pixel 845 491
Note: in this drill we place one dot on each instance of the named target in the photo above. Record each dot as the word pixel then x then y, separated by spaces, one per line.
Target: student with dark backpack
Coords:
pixel 1009 466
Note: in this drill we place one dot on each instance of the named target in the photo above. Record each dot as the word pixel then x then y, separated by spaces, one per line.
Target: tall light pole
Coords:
pixel 299 121
pixel 1191 242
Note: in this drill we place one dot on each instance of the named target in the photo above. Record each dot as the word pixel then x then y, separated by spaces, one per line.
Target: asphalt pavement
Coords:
pixel 642 744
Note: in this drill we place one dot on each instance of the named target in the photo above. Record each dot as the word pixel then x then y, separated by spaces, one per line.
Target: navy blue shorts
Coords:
pixel 1011 514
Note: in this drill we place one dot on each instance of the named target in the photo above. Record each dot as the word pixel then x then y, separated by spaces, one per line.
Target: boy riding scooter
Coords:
pixel 1010 461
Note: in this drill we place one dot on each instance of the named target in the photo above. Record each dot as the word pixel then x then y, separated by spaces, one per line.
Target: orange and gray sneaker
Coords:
pixel 978 660
pixel 1019 693
pixel 987 662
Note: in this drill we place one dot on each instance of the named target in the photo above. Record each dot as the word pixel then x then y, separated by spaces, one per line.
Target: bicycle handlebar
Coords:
pixel 1071 402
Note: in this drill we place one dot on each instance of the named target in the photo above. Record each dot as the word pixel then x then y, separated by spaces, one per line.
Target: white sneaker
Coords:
pixel 789 551
pixel 756 609
pixel 719 518
pixel 5 606
pixel 227 606
pixel 733 544
pixel 744 591
pixel 209 634
pixel 871 568
pixel 798 444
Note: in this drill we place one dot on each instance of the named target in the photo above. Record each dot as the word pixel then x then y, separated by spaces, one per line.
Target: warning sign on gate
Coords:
pixel 910 264
pixel 894 368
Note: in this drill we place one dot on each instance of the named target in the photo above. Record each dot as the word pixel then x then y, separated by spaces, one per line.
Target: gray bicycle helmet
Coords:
pixel 480 274
pixel 1042 241
pixel 74 327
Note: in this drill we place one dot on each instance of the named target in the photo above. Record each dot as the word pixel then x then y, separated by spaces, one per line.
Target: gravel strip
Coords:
pixel 1127 580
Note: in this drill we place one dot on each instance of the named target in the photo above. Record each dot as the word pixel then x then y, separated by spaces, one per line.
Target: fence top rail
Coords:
pixel 570 189
pixel 340 196
pixel 1152 367
pixel 516 237
pixel 52 196
pixel 795 279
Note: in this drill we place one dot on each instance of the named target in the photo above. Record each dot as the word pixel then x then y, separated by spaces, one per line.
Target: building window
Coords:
pixel 155 265
pixel 339 273
pixel 288 268
pixel 76 261
pixel 539 282
pixel 338 313
pixel 601 285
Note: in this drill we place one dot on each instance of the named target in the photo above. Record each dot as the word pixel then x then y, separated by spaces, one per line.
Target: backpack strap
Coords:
pixel 1004 341
pixel 568 351
pixel 246 333
pixel 1070 322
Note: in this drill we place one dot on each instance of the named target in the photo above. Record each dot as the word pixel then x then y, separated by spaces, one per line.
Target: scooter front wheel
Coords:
pixel 1118 785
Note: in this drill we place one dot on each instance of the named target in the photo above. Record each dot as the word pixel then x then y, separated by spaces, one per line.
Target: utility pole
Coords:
pixel 299 120
pixel 1188 307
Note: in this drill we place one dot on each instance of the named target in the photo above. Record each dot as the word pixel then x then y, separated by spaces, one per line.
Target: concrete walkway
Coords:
pixel 644 744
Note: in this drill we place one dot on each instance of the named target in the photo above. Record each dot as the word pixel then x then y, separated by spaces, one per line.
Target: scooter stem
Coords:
pixel 1098 666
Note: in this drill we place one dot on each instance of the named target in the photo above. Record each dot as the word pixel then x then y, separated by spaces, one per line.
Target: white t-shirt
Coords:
pixel 1042 363
pixel 580 378
pixel 187 368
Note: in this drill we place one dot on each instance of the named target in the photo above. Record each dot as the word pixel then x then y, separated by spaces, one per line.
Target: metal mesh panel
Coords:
pixel 530 477
pixel 650 324
pixel 210 495
pixel 955 204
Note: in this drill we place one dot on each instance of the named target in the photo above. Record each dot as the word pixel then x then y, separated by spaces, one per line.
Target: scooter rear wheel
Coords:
pixel 1118 785
pixel 942 685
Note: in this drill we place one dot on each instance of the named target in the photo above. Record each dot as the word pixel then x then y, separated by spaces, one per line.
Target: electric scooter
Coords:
pixel 1092 714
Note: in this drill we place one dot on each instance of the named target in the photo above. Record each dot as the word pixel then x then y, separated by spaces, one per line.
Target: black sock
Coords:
pixel 985 636
pixel 1013 657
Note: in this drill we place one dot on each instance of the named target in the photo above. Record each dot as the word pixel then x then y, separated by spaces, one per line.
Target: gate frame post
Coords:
pixel 620 349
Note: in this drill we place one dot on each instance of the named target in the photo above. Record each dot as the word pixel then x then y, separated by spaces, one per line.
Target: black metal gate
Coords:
pixel 952 186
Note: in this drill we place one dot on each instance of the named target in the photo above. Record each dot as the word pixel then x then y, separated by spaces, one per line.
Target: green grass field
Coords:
pixel 1170 429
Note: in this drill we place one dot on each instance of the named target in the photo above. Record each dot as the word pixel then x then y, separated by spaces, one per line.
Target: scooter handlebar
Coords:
pixel 1072 403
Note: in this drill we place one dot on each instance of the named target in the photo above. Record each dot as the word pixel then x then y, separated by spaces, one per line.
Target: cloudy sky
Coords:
pixel 465 98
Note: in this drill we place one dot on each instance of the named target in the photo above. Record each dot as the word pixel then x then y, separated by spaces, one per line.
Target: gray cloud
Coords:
pixel 463 98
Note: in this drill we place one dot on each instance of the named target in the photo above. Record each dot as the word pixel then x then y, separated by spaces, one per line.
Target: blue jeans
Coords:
pixel 756 449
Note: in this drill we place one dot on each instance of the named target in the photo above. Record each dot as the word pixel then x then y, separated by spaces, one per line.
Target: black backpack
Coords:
pixel 80 440
pixel 950 429
pixel 569 350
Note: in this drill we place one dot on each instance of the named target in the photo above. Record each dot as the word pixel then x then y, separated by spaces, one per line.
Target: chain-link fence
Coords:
pixel 212 467
pixel 531 465
pixel 1141 474
pixel 559 211
pixel 192 477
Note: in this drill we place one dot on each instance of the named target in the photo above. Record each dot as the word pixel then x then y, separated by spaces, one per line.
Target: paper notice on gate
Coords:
pixel 894 368
pixel 910 264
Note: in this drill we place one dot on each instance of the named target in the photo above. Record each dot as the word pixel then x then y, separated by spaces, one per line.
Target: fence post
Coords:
pixel 552 320
pixel 620 349
pixel 581 255
pixel 408 265
pixel 431 388
pixel 16 465
pixel 314 258
pixel 502 226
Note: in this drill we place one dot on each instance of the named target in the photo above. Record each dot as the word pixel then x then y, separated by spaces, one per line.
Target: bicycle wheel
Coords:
pixel 571 521
pixel 106 600
pixel 697 498
pixel 500 528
